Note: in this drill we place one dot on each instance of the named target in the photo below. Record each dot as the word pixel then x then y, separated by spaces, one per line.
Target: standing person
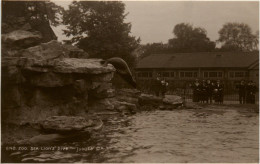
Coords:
pixel 242 92
pixel 219 91
pixel 196 91
pixel 251 91
pixel 209 90
pixel 164 85
pixel 254 91
pixel 203 92
pixel 157 85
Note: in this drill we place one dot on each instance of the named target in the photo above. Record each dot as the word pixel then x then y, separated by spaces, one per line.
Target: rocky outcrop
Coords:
pixel 21 39
pixel 167 103
pixel 65 123
pixel 57 87
pixel 48 79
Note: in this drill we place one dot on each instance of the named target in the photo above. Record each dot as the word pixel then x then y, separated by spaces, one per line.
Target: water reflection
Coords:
pixel 214 135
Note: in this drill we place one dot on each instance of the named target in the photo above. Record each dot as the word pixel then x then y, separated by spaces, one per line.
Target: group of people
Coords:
pixel 247 92
pixel 206 91
pixel 159 86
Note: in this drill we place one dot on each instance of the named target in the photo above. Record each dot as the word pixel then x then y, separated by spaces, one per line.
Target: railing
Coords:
pixel 230 92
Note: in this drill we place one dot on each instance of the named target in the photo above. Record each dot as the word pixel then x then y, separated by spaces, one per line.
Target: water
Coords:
pixel 215 134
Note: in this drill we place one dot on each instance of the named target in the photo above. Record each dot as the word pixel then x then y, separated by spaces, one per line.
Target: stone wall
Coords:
pixel 45 79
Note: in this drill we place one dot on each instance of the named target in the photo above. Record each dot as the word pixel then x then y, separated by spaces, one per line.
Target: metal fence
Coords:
pixel 230 92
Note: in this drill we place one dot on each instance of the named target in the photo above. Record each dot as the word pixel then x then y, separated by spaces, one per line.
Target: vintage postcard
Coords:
pixel 129 81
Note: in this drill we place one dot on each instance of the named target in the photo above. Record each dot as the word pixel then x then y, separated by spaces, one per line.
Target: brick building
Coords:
pixel 182 68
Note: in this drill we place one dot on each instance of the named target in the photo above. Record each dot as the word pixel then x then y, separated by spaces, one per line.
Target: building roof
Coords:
pixel 199 60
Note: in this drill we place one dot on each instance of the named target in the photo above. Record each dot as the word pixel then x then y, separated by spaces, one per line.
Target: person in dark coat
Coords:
pixel 251 91
pixel 242 88
pixel 203 92
pixel 219 92
pixel 196 91
pixel 157 85
pixel 164 85
pixel 209 90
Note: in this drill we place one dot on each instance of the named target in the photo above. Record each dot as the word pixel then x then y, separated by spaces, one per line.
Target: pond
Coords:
pixel 214 134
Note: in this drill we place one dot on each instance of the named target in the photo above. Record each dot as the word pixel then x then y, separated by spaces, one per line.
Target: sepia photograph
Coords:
pixel 129 81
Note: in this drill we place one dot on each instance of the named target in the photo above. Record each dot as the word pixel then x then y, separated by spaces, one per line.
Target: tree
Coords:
pixel 98 27
pixel 39 14
pixel 153 48
pixel 190 39
pixel 237 37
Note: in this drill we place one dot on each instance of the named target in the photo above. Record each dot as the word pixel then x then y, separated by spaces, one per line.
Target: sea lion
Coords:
pixel 122 69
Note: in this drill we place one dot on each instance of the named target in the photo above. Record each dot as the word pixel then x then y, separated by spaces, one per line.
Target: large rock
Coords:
pixel 101 105
pixel 65 123
pixel 75 52
pixel 101 90
pixel 21 39
pixel 66 66
pixel 50 50
pixel 128 95
pixel 147 99
pixel 173 100
pixel 86 66
pixel 169 102
pixel 124 107
pixel 51 79
pixel 103 77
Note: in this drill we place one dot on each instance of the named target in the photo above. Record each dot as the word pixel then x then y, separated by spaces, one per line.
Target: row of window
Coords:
pixel 186 74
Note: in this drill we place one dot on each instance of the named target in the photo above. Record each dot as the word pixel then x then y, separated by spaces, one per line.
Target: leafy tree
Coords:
pixel 153 48
pixel 39 14
pixel 237 37
pixel 190 39
pixel 98 27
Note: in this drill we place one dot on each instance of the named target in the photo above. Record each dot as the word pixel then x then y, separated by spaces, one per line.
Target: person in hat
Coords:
pixel 164 85
pixel 157 85
pixel 203 91
pixel 219 92
pixel 209 91
pixel 196 88
pixel 242 89
pixel 251 91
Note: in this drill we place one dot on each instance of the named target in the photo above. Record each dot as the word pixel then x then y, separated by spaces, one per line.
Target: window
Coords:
pixel 231 74
pixel 237 74
pixel 144 74
pixel 206 74
pixel 195 74
pixel 172 74
pixel 166 74
pixel 213 74
pixel 181 74
pixel 188 74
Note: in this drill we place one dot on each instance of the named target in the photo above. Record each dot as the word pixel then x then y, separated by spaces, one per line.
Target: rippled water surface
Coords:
pixel 217 134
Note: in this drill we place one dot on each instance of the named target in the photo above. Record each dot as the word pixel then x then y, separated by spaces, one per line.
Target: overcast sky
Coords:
pixel 153 21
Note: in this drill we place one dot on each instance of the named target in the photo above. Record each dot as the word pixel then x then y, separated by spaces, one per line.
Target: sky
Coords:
pixel 153 21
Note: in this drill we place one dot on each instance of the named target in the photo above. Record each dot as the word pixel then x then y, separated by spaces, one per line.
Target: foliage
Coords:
pixel 33 11
pixel 98 28
pixel 190 39
pixel 237 37
pixel 153 48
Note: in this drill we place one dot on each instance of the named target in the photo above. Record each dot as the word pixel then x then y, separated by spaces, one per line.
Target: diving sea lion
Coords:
pixel 122 69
